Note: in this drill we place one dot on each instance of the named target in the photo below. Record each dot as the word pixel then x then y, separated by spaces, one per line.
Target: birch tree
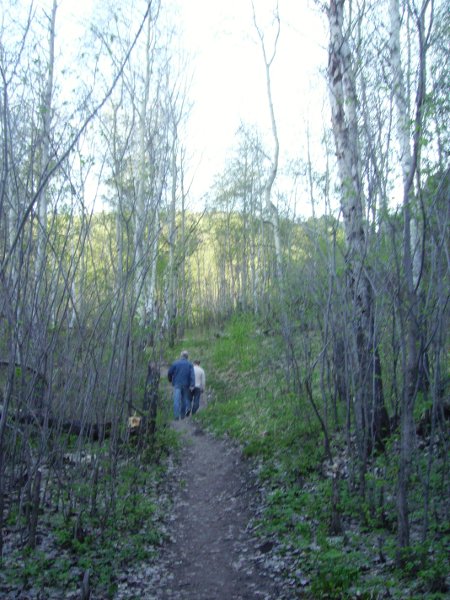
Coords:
pixel 176 300
pixel 271 176
pixel 273 169
pixel 143 171
pixel 409 306
pixel 46 115
pixel 369 410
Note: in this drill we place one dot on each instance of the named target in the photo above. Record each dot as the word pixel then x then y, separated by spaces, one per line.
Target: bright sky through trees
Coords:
pixel 227 78
pixel 229 86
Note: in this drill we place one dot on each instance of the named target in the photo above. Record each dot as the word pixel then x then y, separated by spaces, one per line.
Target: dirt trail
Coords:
pixel 212 553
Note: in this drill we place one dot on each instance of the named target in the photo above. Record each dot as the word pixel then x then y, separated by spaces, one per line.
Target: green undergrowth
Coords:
pixel 99 525
pixel 249 401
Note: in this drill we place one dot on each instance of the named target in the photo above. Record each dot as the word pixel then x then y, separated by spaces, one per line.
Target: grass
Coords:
pixel 251 403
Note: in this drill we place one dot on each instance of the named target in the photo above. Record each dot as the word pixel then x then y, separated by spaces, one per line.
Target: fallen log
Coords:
pixel 93 431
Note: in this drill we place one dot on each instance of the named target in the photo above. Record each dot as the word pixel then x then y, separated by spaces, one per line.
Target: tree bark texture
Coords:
pixel 409 301
pixel 370 413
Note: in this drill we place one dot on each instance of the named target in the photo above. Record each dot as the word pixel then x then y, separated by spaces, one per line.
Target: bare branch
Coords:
pixel 49 174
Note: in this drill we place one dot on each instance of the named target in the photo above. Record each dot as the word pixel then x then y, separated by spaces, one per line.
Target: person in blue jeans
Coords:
pixel 181 376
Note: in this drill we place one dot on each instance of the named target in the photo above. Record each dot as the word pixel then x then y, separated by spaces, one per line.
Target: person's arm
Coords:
pixel 192 377
pixel 170 373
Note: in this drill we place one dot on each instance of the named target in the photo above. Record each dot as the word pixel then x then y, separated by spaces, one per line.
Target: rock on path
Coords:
pixel 212 553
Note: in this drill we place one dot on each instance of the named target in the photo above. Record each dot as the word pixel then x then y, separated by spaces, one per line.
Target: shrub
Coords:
pixel 336 573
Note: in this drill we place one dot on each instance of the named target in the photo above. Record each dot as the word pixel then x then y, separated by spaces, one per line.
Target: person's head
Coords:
pixel 196 362
pixel 184 354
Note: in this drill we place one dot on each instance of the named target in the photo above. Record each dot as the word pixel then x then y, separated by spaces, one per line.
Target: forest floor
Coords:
pixel 212 552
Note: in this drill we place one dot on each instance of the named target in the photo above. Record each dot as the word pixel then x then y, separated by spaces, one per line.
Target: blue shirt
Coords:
pixel 181 373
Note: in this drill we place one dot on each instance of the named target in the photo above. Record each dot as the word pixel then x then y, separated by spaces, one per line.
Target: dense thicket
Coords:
pixel 89 298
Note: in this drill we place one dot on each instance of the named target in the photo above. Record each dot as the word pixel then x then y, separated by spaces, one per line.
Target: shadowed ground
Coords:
pixel 212 553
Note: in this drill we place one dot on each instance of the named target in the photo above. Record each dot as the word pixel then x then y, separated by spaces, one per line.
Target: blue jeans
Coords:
pixel 196 399
pixel 181 401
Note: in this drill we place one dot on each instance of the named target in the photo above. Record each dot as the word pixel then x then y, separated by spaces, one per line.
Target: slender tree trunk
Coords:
pixel 143 183
pixel 150 298
pixel 173 274
pixel 370 414
pixel 243 300
pixel 182 320
pixel 270 206
pixel 410 300
pixel 403 126
pixel 46 112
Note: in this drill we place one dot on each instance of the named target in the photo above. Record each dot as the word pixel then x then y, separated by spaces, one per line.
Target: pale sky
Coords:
pixel 228 75
pixel 229 83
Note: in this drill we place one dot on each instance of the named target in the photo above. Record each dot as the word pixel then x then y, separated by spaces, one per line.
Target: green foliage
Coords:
pixel 422 406
pixel 279 431
pixel 336 573
pixel 35 569
pixel 115 535
pixel 15 518
pixel 287 513
pixel 239 346
pixel 427 566
pixel 165 441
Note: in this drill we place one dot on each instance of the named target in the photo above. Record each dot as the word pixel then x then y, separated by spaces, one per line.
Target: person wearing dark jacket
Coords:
pixel 181 376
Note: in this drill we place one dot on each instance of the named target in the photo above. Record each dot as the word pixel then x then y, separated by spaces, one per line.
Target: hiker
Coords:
pixel 181 376
pixel 199 388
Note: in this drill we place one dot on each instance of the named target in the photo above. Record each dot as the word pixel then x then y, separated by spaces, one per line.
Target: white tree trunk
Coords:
pixel 46 112
pixel 172 284
pixel 150 311
pixel 370 413
pixel 403 126
pixel 142 184
pixel 344 119
pixel 409 142
pixel 270 206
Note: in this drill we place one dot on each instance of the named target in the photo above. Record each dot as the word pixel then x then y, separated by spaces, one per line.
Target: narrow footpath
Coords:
pixel 212 553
